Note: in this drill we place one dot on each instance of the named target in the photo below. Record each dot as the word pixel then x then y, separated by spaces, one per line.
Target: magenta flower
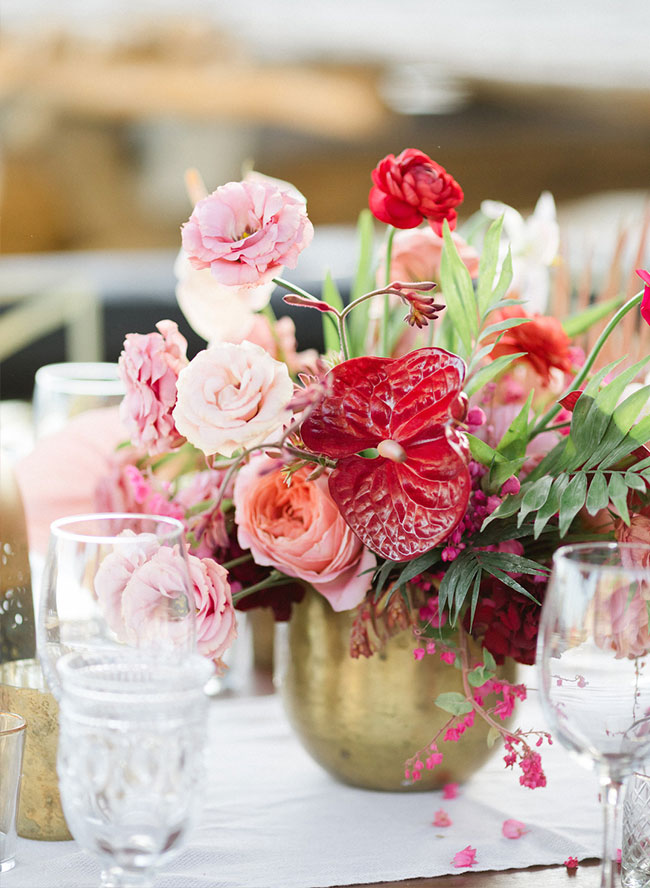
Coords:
pixel 645 302
pixel 245 232
pixel 466 857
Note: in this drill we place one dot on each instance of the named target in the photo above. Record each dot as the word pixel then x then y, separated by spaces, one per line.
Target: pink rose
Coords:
pixel 216 625
pixel 244 232
pixel 149 366
pixel 298 529
pixel 142 591
pixel 232 396
pixel 417 253
pixel 621 625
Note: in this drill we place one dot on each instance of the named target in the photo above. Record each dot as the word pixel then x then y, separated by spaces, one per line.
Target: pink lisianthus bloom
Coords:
pixel 216 624
pixel 244 232
pixel 149 366
pixel 298 529
pixel 232 396
pixel 142 591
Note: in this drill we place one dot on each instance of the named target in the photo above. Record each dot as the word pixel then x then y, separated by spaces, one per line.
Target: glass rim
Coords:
pixel 81 377
pixel 571 555
pixel 58 528
pixel 22 724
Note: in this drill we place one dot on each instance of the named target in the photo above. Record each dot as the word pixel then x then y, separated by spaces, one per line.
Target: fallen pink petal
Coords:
pixel 513 829
pixel 441 818
pixel 450 791
pixel 466 857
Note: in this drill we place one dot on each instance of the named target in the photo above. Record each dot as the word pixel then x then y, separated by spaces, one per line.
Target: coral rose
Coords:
pixel 412 187
pixel 232 396
pixel 149 366
pixel 298 529
pixel 416 256
pixel 542 338
pixel 244 232
pixel 216 624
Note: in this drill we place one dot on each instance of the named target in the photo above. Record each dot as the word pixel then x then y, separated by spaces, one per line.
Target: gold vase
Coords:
pixel 23 690
pixel 361 719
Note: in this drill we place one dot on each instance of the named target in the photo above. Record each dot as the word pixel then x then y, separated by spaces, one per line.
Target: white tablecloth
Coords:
pixel 274 819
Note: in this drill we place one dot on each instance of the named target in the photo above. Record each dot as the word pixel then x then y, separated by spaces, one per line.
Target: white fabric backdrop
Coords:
pixel 274 819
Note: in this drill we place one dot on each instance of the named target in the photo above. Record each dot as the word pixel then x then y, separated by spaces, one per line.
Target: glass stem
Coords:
pixel 610 790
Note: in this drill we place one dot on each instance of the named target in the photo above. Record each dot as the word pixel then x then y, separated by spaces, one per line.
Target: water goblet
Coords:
pixel 61 391
pixel 593 668
pixel 115 580
pixel 130 758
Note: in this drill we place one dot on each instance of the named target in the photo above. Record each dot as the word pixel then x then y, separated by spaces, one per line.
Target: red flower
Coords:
pixel 415 491
pixel 507 623
pixel 543 338
pixel 412 187
pixel 645 302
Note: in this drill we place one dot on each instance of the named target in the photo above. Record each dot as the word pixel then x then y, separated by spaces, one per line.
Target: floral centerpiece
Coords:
pixel 422 470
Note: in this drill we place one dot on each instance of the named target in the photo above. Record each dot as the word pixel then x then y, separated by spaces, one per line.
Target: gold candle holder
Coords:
pixel 23 690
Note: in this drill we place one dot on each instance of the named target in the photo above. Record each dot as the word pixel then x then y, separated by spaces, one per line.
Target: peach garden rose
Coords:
pixel 232 396
pixel 298 529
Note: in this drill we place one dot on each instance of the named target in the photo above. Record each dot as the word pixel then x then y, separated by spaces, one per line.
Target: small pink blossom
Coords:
pixel 531 766
pixel 450 791
pixel 511 486
pixel 149 367
pixel 431 647
pixel 448 657
pixel 475 417
pixel 418 653
pixel 571 863
pixel 244 232
pixel 434 759
pixel 618 855
pixel 441 818
pixel 513 829
pixel 466 857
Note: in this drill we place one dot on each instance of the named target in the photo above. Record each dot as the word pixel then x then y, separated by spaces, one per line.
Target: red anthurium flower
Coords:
pixel 645 302
pixel 413 494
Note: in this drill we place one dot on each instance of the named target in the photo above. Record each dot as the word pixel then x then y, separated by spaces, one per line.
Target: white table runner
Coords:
pixel 274 819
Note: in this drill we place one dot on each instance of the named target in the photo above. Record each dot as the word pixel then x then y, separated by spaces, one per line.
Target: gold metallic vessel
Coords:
pixel 362 719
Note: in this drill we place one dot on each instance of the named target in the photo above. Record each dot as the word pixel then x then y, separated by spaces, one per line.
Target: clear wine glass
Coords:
pixel 112 581
pixel 130 758
pixel 593 669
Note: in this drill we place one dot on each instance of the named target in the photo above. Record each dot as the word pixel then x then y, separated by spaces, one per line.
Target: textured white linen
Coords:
pixel 274 819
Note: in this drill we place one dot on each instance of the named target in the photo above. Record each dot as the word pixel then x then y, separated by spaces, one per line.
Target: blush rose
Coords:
pixel 232 396
pixel 244 232
pixel 298 529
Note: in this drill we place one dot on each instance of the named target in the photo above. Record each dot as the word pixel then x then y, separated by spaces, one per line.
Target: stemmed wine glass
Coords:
pixel 594 673
pixel 112 581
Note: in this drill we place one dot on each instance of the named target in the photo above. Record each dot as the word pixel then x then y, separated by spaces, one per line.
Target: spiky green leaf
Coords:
pixel 572 500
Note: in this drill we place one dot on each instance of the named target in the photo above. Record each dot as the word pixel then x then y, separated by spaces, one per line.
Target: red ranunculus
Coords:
pixel 506 622
pixel 412 187
pixel 415 491
pixel 542 338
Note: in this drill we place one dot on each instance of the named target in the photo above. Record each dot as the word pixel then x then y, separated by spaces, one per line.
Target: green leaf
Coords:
pixel 330 294
pixel 481 452
pixel 618 495
pixel 535 497
pixel 479 675
pixel 488 264
pixel 494 734
pixel 572 500
pixel 634 480
pixel 505 279
pixel 597 497
pixel 501 471
pixel 510 506
pixel 515 440
pixel 507 580
pixel 512 563
pixel 458 291
pixel 453 702
pixel 364 282
pixel 551 506
pixel 579 323
pixel 487 373
pixel 457 580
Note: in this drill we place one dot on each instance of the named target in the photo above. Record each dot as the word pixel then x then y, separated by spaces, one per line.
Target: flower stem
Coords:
pixel 235 562
pixel 586 367
pixel 275 578
pixel 385 345
pixel 292 288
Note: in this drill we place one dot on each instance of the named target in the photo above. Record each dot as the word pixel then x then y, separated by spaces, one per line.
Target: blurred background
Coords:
pixel 105 103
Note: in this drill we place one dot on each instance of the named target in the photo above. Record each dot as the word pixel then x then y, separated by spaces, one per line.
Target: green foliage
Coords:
pixel 364 282
pixel 454 703
pixel 483 672
pixel 332 296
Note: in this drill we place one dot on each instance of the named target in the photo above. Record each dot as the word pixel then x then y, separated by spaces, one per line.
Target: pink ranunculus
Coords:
pixel 232 396
pixel 298 529
pixel 216 624
pixel 142 591
pixel 149 366
pixel 416 256
pixel 244 232
pixel 215 311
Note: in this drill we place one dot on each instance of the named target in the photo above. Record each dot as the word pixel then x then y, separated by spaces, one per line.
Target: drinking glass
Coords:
pixel 593 668
pixel 12 741
pixel 635 856
pixel 115 580
pixel 61 391
pixel 130 760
